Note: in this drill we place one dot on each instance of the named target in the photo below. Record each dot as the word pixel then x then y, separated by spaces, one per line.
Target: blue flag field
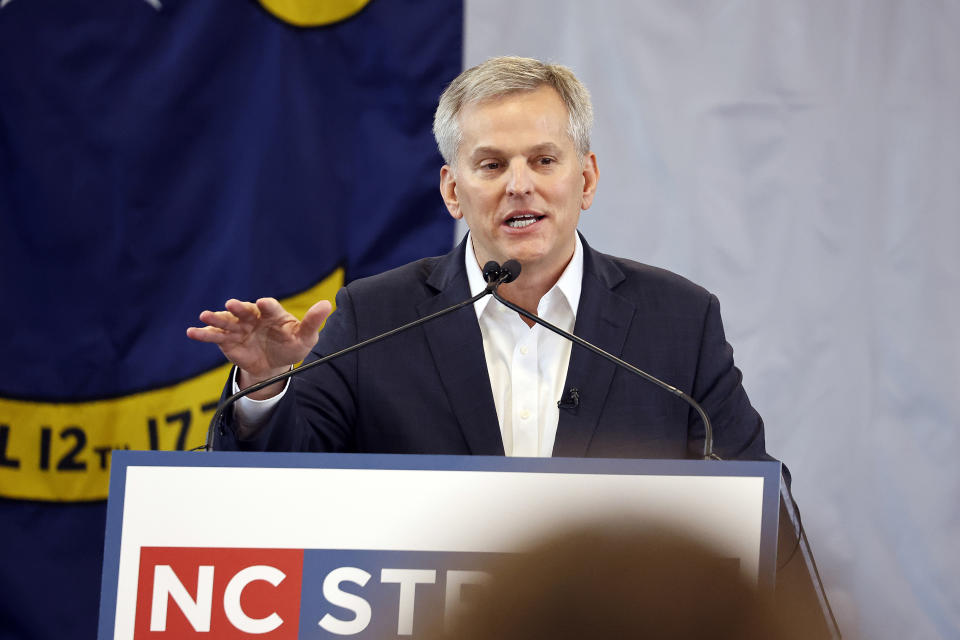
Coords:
pixel 158 157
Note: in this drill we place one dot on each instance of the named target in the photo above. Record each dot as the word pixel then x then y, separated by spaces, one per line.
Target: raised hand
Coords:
pixel 263 339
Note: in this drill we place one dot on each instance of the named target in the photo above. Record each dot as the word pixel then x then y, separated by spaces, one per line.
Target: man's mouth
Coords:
pixel 522 220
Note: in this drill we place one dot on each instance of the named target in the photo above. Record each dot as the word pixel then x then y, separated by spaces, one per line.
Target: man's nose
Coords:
pixel 519 179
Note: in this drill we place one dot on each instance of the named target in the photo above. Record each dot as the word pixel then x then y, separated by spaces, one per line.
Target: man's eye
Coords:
pixel 491 166
pixel 546 160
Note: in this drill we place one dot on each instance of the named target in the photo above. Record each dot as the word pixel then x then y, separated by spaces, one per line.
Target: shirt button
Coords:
pixel 524 415
pixel 524 350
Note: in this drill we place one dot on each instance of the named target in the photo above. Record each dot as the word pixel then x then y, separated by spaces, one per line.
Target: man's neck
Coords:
pixel 536 280
pixel 528 291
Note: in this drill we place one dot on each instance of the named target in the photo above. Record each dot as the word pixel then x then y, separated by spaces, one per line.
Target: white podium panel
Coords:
pixel 282 545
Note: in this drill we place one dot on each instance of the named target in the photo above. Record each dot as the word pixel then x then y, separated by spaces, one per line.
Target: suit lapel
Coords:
pixel 603 319
pixel 457 348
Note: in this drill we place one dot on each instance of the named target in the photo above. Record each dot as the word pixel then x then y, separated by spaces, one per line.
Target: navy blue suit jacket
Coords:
pixel 427 390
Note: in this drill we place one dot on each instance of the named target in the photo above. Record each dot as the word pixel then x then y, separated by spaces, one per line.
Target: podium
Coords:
pixel 293 545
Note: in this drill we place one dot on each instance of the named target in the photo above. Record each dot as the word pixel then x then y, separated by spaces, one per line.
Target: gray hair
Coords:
pixel 502 76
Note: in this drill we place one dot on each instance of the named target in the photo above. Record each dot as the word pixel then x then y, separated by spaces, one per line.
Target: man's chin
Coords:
pixel 532 262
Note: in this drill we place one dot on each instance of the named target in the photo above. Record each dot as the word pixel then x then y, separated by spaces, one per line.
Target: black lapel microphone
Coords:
pixel 493 274
pixel 571 400
pixel 509 272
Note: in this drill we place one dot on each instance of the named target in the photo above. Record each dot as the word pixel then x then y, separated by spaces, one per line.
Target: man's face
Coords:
pixel 519 182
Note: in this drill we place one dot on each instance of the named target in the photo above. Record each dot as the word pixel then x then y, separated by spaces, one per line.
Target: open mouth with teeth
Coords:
pixel 523 220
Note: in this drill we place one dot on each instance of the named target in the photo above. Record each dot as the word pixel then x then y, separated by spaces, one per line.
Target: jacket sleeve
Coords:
pixel 737 427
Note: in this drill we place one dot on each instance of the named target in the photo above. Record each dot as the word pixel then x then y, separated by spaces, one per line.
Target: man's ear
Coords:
pixel 591 175
pixel 448 191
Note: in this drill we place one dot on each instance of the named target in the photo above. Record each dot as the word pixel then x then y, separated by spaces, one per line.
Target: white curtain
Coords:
pixel 801 159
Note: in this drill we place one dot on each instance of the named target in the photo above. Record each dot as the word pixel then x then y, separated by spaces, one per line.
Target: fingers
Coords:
pixel 239 316
pixel 270 309
pixel 223 320
pixel 206 334
pixel 221 328
pixel 223 325
pixel 239 319
pixel 314 318
pixel 244 311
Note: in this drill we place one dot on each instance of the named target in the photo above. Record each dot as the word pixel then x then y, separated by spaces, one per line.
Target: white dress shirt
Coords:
pixel 527 365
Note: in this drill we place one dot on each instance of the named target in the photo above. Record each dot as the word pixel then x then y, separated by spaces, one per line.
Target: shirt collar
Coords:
pixel 569 283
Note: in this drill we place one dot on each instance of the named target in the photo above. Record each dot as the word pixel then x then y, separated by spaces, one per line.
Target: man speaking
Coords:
pixel 515 136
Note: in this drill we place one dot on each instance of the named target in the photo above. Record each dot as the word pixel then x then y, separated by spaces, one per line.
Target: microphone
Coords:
pixel 571 400
pixel 493 274
pixel 509 272
pixel 491 271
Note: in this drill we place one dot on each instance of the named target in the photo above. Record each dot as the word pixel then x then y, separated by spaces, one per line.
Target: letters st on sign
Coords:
pixel 295 593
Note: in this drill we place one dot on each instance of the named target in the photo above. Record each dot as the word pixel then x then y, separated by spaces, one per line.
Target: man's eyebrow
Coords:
pixel 537 149
pixel 546 147
pixel 485 152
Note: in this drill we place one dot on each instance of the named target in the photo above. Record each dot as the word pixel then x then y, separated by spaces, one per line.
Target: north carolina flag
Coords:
pixel 156 158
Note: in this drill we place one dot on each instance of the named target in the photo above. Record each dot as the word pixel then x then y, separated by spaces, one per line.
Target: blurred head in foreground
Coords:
pixel 622 583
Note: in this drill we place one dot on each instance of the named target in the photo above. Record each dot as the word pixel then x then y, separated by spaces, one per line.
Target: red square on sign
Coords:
pixel 213 593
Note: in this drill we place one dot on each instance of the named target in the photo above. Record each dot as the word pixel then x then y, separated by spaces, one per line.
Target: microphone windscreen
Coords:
pixel 491 271
pixel 512 269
